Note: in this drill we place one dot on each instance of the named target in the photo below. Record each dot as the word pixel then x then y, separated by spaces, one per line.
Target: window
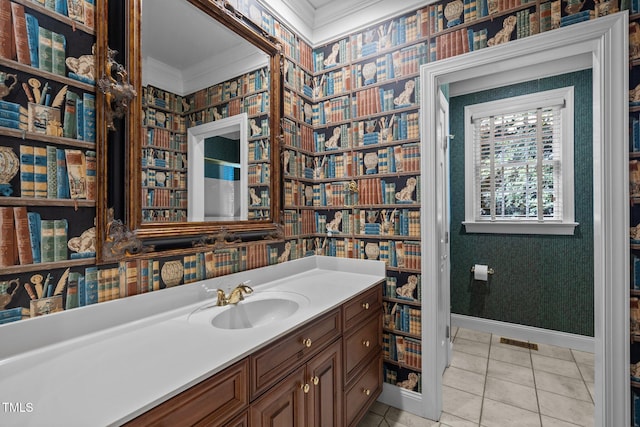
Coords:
pixel 519 164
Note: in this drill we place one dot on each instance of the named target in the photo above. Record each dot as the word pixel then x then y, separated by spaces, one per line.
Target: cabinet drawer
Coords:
pixel 210 403
pixel 361 344
pixel 277 359
pixel 364 391
pixel 362 305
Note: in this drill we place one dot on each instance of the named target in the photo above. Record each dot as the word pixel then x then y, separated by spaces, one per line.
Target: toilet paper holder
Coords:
pixel 490 270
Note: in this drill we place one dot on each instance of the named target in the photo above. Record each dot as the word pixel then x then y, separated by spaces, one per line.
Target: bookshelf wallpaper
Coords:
pixel 540 276
pixel 350 161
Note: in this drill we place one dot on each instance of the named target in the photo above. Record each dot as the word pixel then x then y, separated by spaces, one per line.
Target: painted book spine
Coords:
pixel 20 33
pixel 60 229
pixel 40 172
pixel 34 235
pixel 52 172
pixel 8 248
pixel 32 38
pixel 26 171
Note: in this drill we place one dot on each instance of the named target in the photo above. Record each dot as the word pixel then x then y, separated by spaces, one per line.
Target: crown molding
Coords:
pixel 337 19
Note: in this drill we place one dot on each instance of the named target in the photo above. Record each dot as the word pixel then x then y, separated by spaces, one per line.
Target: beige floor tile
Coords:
pixel 566 386
pixel 583 358
pixel 454 331
pixel 469 362
pixel 464 380
pixel 371 420
pixel 476 348
pixel 588 373
pixel 554 351
pixel 461 404
pixel 555 366
pixel 566 409
pixel 474 335
pixel 379 408
pixel 495 342
pixel 553 422
pixel 511 393
pixel 449 420
pixel 509 372
pixel 516 357
pixel 498 414
pixel 398 417
pixel 592 391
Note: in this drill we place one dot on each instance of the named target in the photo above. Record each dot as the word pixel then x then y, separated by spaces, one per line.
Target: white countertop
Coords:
pixel 108 363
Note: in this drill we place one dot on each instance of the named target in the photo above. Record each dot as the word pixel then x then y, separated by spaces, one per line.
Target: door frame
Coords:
pixel 602 45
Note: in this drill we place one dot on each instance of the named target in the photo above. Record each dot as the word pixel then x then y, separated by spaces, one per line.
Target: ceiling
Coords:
pixel 319 21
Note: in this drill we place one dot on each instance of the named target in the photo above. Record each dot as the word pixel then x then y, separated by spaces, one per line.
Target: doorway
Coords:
pixel 602 46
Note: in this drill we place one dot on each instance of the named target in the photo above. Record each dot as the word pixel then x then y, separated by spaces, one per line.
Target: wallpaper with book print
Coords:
pixel 350 144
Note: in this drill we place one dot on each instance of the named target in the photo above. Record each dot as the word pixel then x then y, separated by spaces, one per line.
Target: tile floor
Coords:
pixel 490 384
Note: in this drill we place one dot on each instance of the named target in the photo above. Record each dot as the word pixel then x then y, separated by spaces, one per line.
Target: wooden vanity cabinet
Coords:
pixel 326 373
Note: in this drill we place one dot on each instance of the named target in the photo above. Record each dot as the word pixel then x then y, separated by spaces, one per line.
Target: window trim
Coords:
pixel 564 226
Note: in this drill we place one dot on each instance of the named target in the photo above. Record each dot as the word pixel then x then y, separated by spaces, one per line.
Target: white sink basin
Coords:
pixel 256 310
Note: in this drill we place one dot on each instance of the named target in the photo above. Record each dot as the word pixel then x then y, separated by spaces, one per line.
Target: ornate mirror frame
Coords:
pixel 142 236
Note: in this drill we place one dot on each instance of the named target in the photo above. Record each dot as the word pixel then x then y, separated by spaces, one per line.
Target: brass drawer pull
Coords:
pixel 305 388
pixel 365 305
pixel 315 380
pixel 307 342
pixel 366 391
pixel 366 343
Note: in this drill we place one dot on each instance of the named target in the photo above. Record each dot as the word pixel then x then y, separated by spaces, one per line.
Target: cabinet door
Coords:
pixel 324 376
pixel 283 405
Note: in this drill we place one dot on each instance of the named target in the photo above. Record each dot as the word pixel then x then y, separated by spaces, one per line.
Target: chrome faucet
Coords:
pixel 235 296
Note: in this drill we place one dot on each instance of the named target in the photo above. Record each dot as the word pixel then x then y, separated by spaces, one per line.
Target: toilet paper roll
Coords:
pixel 481 272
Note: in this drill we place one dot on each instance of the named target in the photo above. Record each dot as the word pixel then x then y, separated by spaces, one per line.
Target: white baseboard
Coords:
pixel 406 400
pixel 525 333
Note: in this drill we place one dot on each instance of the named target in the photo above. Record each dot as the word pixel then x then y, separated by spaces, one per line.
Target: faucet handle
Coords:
pixel 245 287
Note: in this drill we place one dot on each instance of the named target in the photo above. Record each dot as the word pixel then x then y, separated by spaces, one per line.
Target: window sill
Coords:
pixel 517 227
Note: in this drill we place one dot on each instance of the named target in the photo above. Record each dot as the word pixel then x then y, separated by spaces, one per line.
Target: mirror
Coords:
pixel 213 65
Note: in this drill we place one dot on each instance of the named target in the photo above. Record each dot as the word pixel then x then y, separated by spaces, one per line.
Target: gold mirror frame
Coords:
pixel 141 236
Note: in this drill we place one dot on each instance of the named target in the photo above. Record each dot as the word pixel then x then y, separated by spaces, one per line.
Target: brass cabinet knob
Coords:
pixel 365 305
pixel 305 388
pixel 307 342
pixel 315 380
pixel 366 343
pixel 366 391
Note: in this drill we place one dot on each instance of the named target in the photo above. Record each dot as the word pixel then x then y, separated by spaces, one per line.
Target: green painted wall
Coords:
pixel 225 149
pixel 541 281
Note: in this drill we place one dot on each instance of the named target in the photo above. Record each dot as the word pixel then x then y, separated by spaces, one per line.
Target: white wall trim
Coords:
pixel 398 397
pixel 605 40
pixel 525 333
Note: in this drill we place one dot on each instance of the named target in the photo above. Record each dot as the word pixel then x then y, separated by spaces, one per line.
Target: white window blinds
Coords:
pixel 518 164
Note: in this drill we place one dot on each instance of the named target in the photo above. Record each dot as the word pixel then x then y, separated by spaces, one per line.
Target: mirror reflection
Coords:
pixel 193 75
pixel 217 172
